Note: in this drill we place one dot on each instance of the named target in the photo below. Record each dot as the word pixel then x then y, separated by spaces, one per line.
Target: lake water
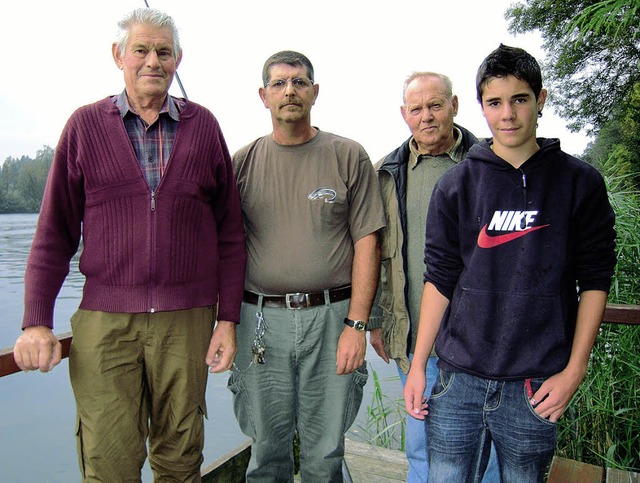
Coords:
pixel 38 411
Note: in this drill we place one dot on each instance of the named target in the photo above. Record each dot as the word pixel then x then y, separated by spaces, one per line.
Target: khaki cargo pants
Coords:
pixel 139 376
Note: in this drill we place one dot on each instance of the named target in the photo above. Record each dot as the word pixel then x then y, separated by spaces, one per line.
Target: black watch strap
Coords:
pixel 359 325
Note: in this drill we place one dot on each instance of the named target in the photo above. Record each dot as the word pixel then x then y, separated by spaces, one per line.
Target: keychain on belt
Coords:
pixel 258 348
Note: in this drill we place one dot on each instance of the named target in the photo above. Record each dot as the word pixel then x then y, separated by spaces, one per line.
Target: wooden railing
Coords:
pixel 613 314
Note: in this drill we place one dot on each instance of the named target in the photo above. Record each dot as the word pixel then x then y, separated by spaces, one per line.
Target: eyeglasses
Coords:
pixel 298 83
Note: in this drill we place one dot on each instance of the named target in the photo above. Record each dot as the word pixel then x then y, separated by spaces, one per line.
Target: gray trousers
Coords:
pixel 296 389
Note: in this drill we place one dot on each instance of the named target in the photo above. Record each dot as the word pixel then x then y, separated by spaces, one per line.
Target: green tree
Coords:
pixel 593 54
pixel 616 150
pixel 32 179
pixel 22 182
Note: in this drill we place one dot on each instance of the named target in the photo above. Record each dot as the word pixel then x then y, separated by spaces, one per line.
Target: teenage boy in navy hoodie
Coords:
pixel 519 254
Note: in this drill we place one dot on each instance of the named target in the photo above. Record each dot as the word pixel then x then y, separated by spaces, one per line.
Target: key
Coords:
pixel 258 349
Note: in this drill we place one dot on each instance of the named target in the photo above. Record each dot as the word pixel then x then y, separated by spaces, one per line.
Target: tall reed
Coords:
pixel 384 424
pixel 602 424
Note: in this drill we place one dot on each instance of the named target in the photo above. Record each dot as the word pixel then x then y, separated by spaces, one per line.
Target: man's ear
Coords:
pixel 263 96
pixel 454 103
pixel 403 113
pixel 117 58
pixel 542 99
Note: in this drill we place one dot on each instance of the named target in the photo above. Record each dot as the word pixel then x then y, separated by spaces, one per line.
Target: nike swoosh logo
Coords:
pixel 487 241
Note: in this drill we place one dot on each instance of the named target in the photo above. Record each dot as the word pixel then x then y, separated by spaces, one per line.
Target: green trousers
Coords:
pixel 137 377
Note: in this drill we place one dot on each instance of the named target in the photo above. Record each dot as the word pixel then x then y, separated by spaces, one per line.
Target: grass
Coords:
pixel 385 420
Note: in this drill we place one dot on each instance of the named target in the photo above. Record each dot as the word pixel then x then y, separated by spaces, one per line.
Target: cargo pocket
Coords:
pixel 78 433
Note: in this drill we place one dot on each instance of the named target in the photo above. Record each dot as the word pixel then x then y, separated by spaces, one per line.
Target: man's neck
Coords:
pixel 436 149
pixel 516 156
pixel 291 134
pixel 148 108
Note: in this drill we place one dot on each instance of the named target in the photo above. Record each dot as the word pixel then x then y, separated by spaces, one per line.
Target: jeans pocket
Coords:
pixel 234 384
pixel 443 382
pixel 359 379
pixel 535 382
pixel 241 403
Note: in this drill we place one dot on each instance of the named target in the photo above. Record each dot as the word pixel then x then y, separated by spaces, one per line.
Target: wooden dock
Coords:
pixel 373 464
pixel 365 463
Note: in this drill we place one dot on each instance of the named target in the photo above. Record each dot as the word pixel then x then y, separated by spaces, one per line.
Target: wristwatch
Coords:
pixel 356 324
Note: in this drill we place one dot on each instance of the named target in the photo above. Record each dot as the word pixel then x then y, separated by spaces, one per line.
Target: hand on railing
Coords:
pixel 37 349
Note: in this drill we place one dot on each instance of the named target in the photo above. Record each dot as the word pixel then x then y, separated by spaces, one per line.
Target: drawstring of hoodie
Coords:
pixel 524 192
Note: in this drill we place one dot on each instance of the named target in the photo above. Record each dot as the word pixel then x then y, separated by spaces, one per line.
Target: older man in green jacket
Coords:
pixel 407 176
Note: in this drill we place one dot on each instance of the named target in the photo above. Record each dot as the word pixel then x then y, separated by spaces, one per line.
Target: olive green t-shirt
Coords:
pixel 304 206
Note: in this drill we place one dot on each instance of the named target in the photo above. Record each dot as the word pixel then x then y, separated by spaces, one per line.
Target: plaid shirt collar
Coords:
pixel 171 105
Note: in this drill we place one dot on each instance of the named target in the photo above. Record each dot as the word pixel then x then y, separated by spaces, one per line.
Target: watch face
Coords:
pixel 358 325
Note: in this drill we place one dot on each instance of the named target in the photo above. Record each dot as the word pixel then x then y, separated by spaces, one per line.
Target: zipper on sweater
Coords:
pixel 152 259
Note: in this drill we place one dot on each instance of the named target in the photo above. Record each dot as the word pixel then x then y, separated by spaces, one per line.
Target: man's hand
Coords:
pixel 415 402
pixel 37 349
pixel 222 348
pixel 375 339
pixel 550 401
pixel 352 347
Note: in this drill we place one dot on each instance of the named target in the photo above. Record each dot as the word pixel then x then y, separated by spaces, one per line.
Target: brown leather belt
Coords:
pixel 298 300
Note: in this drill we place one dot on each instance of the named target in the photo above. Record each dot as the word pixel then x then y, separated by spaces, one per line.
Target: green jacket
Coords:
pixel 390 309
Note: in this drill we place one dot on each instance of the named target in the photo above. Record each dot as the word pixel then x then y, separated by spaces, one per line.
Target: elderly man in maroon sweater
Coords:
pixel 145 180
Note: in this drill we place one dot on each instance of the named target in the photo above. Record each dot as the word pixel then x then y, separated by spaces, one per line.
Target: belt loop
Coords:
pixel 327 297
pixel 260 297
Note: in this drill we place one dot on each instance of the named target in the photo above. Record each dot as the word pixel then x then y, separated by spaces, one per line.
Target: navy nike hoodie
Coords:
pixel 512 249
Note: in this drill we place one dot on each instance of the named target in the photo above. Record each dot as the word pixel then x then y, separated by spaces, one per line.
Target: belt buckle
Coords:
pixel 299 300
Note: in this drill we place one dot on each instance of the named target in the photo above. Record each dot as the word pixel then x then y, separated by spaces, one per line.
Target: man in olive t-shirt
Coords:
pixel 312 209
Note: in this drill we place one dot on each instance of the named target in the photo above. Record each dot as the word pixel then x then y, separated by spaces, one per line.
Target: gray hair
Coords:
pixel 146 16
pixel 448 86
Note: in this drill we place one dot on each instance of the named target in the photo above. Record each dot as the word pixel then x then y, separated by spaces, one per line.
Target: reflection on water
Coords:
pixel 38 412
pixel 16 234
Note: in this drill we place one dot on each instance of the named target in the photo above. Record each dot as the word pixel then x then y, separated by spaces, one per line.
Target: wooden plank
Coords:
pixel 374 464
pixel 376 452
pixel 372 470
pixel 622 314
pixel 230 467
pixel 8 364
pixel 620 476
pixel 564 470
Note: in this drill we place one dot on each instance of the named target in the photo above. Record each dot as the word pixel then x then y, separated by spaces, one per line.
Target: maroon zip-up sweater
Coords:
pixel 179 247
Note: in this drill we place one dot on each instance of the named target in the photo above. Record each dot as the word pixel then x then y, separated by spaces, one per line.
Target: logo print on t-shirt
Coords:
pixel 327 194
pixel 515 223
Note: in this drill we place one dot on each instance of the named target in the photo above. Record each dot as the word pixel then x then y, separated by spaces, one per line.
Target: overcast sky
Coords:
pixel 59 58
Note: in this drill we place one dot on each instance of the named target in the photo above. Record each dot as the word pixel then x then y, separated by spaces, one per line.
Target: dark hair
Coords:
pixel 286 57
pixel 506 61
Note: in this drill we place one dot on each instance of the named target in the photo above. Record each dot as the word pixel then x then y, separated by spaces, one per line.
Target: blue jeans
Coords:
pixel 416 437
pixel 468 413
pixel 295 390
